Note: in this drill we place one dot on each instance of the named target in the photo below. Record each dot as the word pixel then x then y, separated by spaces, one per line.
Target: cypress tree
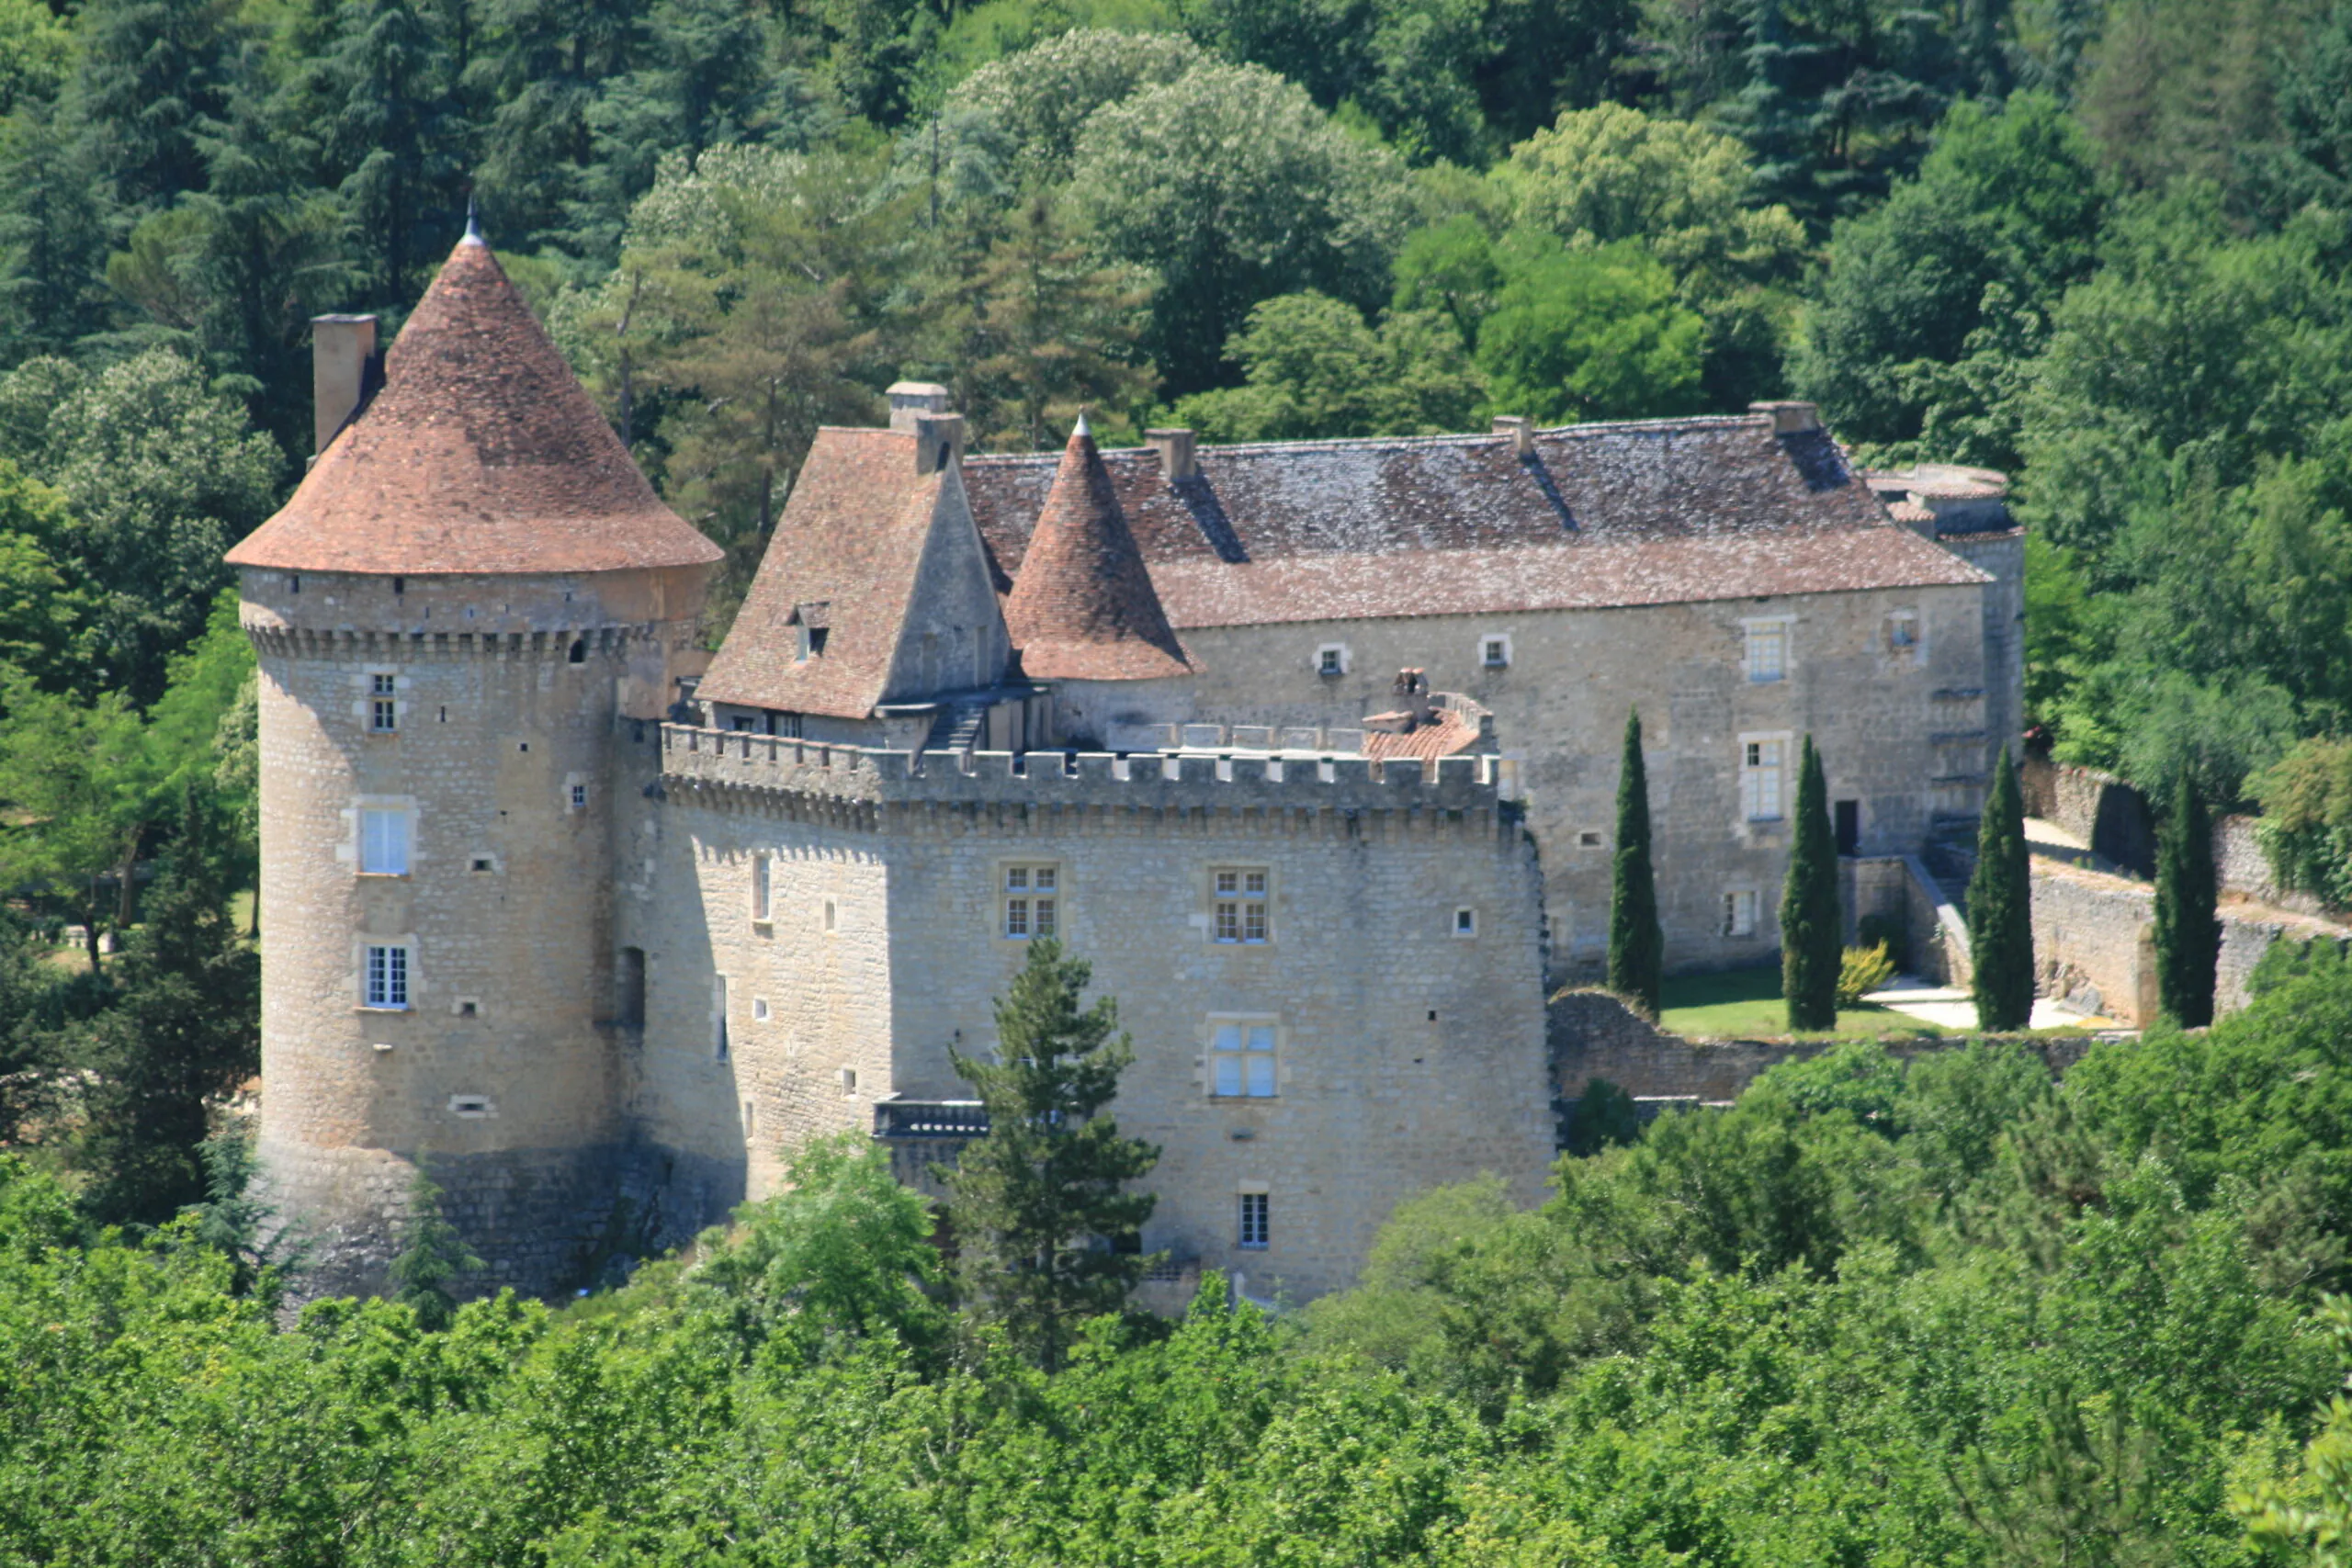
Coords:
pixel 2189 939
pixel 1636 945
pixel 2000 909
pixel 1046 1233
pixel 1812 938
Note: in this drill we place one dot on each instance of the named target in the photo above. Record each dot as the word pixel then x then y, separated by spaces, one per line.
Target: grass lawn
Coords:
pixel 1744 1004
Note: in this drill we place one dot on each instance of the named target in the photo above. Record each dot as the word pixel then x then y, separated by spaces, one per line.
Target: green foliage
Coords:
pixel 1812 939
pixel 1314 370
pixel 2000 910
pixel 433 1258
pixel 1860 971
pixel 1606 1118
pixel 1588 334
pixel 1038 1205
pixel 2306 826
pixel 2188 938
pixel 1231 188
pixel 1637 941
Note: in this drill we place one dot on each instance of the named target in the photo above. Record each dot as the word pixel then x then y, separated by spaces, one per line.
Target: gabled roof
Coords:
pixel 1083 608
pixel 863 527
pixel 482 453
pixel 1645 512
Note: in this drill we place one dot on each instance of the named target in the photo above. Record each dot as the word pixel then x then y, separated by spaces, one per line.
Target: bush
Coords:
pixel 1862 971
pixel 1892 932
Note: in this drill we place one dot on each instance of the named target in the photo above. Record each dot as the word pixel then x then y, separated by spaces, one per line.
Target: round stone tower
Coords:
pixel 470 618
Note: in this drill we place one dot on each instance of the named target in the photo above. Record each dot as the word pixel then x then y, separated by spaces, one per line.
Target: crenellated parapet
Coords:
pixel 558 645
pixel 861 786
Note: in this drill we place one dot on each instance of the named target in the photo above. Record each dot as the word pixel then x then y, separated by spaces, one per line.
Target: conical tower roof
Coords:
pixel 1083 607
pixel 482 453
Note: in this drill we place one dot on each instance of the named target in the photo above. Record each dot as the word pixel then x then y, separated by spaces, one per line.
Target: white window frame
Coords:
pixel 387 976
pixel 1775 633
pixel 1250 1044
pixel 1241 903
pixel 384 704
pixel 1743 912
pixel 1465 923
pixel 1764 776
pixel 1253 1226
pixel 1030 901
pixel 575 796
pixel 1332 659
pixel 762 888
pixel 390 852
pixel 1487 644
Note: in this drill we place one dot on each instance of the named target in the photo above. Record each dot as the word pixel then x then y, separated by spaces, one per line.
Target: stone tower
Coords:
pixel 470 619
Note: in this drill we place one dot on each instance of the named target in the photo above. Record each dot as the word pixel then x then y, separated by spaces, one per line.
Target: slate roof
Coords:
pixel 1645 513
pixel 482 453
pixel 850 540
pixel 1083 608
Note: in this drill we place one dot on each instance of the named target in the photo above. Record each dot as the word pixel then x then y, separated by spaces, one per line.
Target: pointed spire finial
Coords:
pixel 1081 427
pixel 473 226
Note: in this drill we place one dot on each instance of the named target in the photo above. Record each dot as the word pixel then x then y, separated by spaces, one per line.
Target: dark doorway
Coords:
pixel 1849 826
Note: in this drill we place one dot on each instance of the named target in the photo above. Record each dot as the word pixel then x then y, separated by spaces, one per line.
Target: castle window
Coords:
pixel 385 981
pixel 383 842
pixel 1767 650
pixel 1588 839
pixel 1739 912
pixel 1256 1230
pixel 1494 650
pixel 579 798
pixel 762 907
pixel 719 1042
pixel 471 1107
pixel 399 585
pixel 579 654
pixel 1903 631
pixel 1331 659
pixel 1465 923
pixel 383 704
pixel 834 916
pixel 1242 1059
pixel 1762 764
pixel 1032 901
pixel 293 583
pixel 1239 910
pixel 759 1010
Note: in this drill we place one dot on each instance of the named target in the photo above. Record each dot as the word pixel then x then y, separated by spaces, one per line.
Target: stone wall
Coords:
pixel 2100 809
pixel 1595 1035
pixel 1904 732
pixel 1410 1045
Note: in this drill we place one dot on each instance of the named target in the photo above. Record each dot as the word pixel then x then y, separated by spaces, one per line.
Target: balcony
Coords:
pixel 929 1119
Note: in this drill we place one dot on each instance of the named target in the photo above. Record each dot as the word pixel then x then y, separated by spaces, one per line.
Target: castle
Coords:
pixel 1308 748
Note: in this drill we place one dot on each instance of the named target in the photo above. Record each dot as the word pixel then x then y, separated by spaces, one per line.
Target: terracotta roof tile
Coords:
pixel 1448 734
pixel 1083 607
pixel 850 540
pixel 1654 511
pixel 482 453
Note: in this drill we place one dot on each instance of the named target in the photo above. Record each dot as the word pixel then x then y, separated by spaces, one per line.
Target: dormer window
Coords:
pixel 814 621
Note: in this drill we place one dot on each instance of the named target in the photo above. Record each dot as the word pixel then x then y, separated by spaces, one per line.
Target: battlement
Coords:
pixel 552 646
pixel 854 775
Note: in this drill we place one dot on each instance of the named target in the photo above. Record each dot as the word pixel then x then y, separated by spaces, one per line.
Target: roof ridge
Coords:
pixel 1371 443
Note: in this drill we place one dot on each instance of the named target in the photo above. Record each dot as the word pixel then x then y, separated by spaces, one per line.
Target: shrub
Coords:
pixel 1861 971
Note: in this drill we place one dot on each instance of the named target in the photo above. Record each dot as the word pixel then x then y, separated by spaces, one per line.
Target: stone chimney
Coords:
pixel 910 399
pixel 1521 431
pixel 1790 418
pixel 343 370
pixel 1175 450
pixel 939 437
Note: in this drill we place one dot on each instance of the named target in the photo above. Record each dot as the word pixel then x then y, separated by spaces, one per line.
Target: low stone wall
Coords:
pixel 2100 809
pixel 1595 1035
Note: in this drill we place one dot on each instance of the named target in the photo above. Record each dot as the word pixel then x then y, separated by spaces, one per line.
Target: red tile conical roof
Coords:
pixel 482 453
pixel 1083 607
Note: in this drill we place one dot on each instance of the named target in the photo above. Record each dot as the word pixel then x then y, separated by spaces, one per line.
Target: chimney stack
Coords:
pixel 1521 431
pixel 1790 418
pixel 1175 450
pixel 1412 691
pixel 343 353
pixel 939 437
pixel 912 400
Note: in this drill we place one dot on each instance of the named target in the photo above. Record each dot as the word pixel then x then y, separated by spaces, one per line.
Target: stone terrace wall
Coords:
pixel 1595 1035
pixel 2100 809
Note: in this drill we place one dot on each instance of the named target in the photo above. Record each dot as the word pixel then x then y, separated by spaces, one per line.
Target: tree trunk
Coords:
pixel 125 896
pixel 90 927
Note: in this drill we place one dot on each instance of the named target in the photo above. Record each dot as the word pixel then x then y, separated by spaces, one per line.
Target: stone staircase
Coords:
pixel 958 729
pixel 1951 860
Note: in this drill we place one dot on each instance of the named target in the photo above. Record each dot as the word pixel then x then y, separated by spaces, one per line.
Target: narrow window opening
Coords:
pixel 293 584
pixel 759 1010
pixel 445 713
pixel 1849 816
pixel 399 585
pixel 1257 1221
pixel 761 874
pixel 1465 923
pixel 469 1009
pixel 832 917
pixel 718 1009
pixel 579 654
pixel 383 704
pixel 482 863
pixel 630 982
pixel 817 637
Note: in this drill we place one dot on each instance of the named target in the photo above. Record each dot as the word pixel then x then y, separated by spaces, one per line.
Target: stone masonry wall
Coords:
pixel 1902 732
pixel 1407 1056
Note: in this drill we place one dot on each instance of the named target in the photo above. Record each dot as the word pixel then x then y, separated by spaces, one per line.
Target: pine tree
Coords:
pixel 1039 1208
pixel 187 1030
pixel 1812 939
pixel 2188 938
pixel 433 1253
pixel 1636 945
pixel 2000 909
